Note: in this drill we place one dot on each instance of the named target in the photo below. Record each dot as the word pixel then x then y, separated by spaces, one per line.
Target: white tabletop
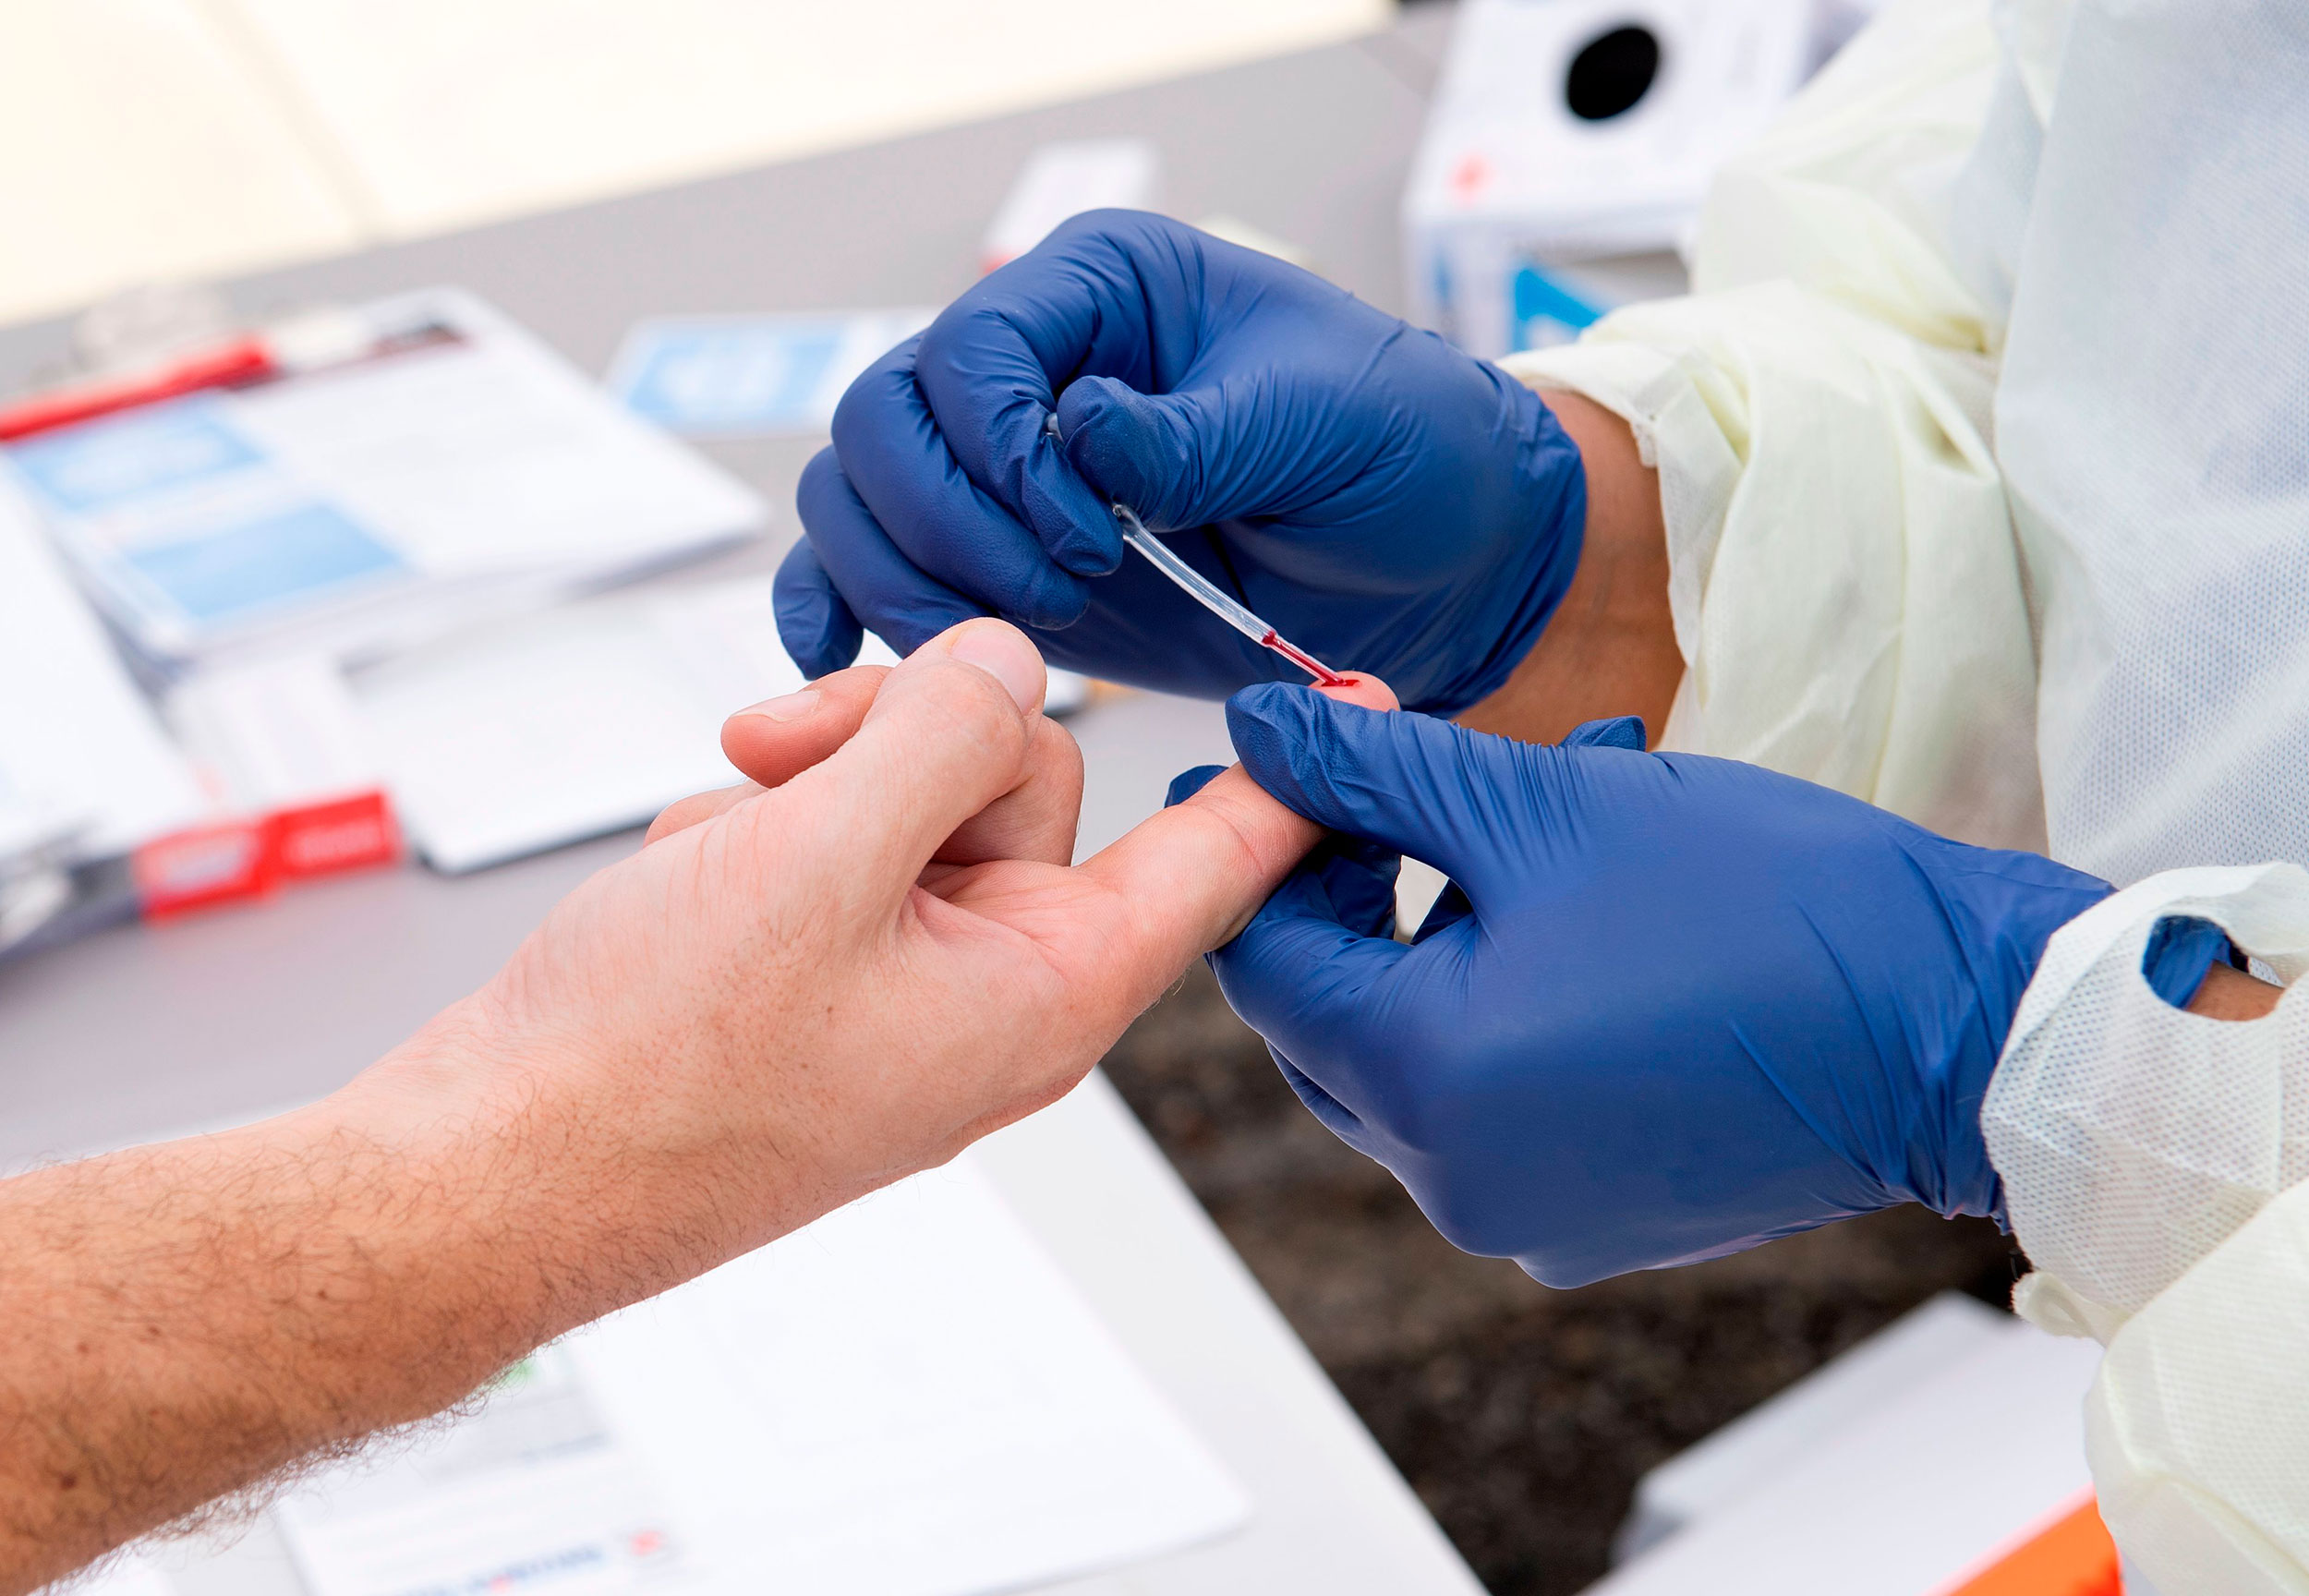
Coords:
pixel 146 1029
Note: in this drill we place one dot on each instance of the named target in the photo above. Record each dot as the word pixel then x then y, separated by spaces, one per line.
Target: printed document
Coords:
pixel 465 471
pixel 905 1398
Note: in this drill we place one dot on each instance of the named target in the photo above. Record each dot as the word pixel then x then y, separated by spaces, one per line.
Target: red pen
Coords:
pixel 308 345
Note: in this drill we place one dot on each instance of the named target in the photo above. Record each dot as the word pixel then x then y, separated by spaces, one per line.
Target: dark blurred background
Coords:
pixel 1522 1416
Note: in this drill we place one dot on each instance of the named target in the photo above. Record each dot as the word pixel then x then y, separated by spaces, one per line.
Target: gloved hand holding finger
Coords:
pixel 1674 1007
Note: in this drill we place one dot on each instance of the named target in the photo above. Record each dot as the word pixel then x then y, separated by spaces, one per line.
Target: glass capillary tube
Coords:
pixel 1205 592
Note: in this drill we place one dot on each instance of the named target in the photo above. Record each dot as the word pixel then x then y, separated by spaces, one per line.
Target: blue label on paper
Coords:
pixel 100 465
pixel 293 557
pixel 732 377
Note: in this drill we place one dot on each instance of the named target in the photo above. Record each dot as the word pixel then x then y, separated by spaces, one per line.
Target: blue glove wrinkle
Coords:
pixel 1674 1007
pixel 985 373
pixel 1333 1115
pixel 865 568
pixel 897 462
pixel 2180 952
pixel 1358 879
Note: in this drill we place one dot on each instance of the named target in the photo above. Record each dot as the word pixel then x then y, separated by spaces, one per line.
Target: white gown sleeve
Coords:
pixel 1845 583
pixel 2152 1162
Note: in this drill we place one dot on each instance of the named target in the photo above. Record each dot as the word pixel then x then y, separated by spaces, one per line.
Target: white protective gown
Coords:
pixel 1984 449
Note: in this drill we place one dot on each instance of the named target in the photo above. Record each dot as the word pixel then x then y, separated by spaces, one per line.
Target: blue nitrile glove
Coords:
pixel 1670 1006
pixel 1386 501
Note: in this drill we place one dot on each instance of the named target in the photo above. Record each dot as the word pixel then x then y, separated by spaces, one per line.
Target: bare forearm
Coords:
pixel 2229 994
pixel 1610 648
pixel 187 1319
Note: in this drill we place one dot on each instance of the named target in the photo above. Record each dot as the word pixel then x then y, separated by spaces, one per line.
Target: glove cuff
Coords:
pixel 1551 482
pixel 2007 912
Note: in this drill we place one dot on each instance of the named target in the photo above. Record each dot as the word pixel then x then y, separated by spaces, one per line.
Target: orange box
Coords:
pixel 2073 1556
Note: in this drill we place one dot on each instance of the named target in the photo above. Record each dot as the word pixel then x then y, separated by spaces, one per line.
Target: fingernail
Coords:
pixel 1003 653
pixel 786 705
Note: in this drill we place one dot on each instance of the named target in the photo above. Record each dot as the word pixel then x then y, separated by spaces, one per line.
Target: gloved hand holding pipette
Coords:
pixel 1385 502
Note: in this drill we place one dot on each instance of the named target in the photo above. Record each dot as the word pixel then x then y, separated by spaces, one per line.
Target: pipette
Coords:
pixel 1205 592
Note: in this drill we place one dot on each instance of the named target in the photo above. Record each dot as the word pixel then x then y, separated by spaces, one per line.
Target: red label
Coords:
pixel 235 860
pixel 219 864
pixel 343 834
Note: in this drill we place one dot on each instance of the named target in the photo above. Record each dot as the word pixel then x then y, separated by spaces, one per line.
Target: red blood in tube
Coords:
pixel 1322 674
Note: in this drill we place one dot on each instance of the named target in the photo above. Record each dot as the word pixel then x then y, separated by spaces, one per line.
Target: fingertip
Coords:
pixel 1084 544
pixel 773 741
pixel 1003 652
pixel 1361 689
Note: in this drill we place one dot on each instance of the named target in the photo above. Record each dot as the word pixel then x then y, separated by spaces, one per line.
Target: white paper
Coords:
pixel 494 455
pixel 275 733
pixel 1907 1499
pixel 585 720
pixel 533 1493
pixel 905 1398
pixel 80 751
pixel 1065 178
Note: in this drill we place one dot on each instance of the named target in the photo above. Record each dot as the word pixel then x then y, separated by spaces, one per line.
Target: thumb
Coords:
pixel 1417 785
pixel 1174 458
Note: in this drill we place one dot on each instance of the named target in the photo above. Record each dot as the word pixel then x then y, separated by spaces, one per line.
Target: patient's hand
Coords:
pixel 799 990
pixel 869 955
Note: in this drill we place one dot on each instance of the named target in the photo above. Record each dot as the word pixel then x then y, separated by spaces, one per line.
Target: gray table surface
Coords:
pixel 146 1030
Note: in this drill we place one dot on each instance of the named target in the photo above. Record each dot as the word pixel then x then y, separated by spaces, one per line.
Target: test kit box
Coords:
pixel 1571 131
